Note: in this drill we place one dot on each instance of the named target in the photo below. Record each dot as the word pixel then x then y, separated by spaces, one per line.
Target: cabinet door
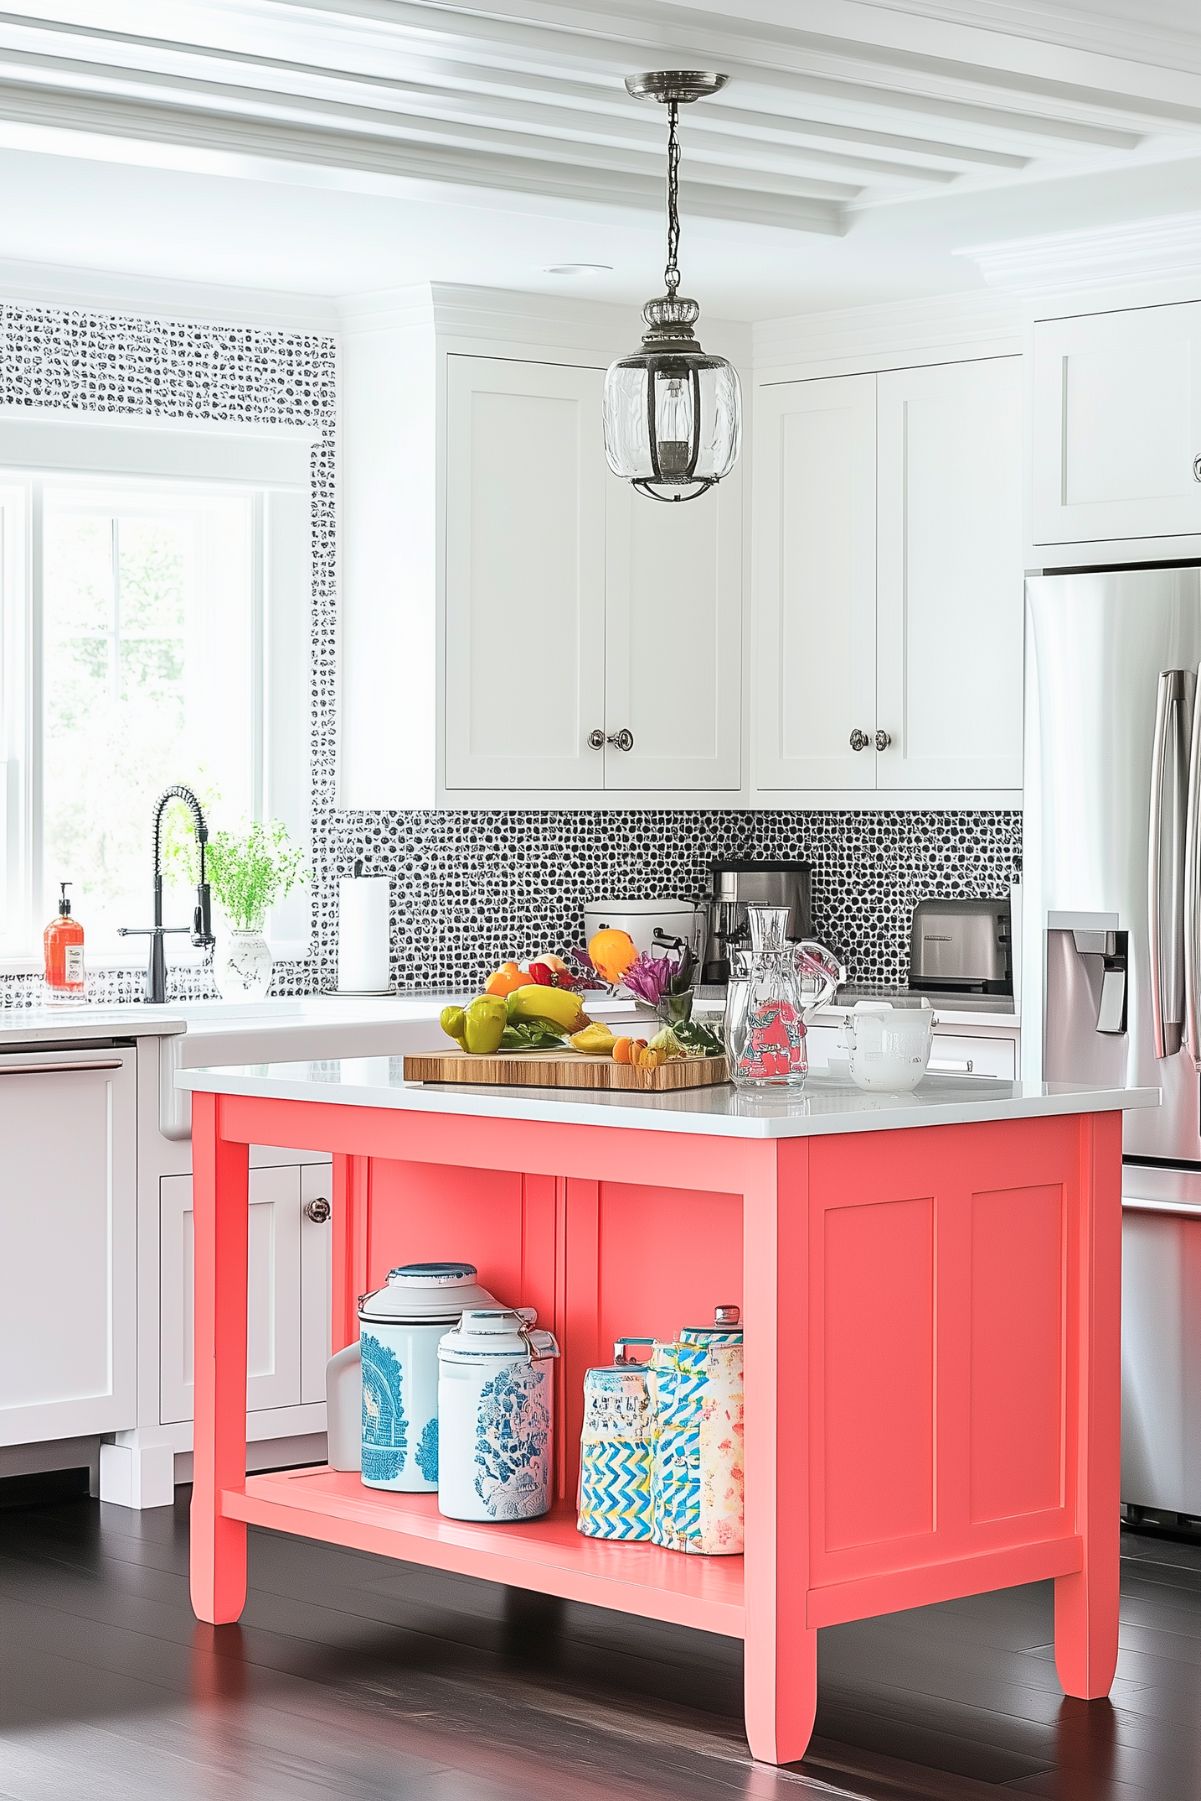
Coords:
pixel 815 583
pixel 673 639
pixel 1117 425
pixel 273 1288
pixel 949 607
pixel 68 1216
pixel 316 1194
pixel 525 575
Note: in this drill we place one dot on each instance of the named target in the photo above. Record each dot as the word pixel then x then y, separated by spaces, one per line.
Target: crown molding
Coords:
pixel 545 323
pixel 155 297
pixel 934 328
pixel 1136 256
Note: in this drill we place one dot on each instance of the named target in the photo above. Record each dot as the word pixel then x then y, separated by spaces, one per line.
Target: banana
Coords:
pixel 559 1005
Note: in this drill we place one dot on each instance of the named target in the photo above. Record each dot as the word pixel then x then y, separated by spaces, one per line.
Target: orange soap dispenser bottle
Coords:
pixel 62 943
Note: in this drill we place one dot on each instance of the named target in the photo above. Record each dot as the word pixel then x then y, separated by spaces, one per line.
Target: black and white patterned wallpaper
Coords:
pixel 473 887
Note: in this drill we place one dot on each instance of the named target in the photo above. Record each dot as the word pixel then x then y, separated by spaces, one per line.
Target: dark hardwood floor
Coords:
pixel 362 1679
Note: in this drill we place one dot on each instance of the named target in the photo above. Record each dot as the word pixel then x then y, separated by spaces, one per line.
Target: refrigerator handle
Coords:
pixel 1192 875
pixel 1172 779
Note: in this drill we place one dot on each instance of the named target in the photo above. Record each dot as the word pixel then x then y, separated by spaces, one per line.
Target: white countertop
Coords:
pixel 87 1024
pixel 824 1106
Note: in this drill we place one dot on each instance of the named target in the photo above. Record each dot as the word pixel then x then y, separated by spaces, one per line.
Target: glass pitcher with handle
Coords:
pixel 773 988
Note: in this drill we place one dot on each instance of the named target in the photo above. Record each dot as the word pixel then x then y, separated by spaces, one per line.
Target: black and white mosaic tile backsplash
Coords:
pixel 471 887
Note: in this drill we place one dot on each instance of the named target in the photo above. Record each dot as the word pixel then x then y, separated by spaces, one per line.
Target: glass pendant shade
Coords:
pixel 672 413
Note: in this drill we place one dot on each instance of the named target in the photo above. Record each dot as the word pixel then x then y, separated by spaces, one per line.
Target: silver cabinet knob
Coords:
pixel 622 740
pixel 596 740
pixel 859 740
pixel 1197 469
pixel 883 740
pixel 318 1210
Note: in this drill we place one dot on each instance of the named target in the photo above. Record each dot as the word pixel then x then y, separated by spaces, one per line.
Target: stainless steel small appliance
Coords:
pixel 961 945
pixel 738 884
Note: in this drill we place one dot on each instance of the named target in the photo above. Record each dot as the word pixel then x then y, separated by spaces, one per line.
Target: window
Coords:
pixel 137 619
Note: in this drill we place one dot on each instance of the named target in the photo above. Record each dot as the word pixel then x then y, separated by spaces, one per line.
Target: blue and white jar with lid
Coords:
pixel 399 1328
pixel 496 1407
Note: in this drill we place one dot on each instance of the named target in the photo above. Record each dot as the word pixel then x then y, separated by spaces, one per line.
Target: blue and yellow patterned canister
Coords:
pixel 696 1462
pixel 615 1447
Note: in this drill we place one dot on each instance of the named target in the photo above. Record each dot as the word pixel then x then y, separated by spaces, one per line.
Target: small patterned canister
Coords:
pixel 696 1465
pixel 496 1411
pixel 615 1447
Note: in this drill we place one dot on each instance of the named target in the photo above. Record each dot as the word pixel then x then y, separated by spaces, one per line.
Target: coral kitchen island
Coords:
pixel 930 1290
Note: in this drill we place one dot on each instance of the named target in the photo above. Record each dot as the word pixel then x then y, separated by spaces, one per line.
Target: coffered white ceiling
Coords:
pixel 337 144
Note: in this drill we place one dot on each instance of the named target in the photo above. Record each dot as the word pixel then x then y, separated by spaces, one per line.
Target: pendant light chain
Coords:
pixel 671 275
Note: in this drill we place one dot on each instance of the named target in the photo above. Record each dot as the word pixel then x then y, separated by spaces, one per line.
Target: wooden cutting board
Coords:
pixel 564 1069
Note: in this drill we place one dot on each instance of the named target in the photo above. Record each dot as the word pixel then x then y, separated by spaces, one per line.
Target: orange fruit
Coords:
pixel 504 980
pixel 612 952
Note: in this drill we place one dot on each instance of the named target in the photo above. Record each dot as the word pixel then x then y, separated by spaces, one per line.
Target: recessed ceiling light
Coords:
pixel 578 269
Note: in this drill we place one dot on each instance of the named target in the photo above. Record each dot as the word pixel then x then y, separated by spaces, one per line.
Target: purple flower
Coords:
pixel 649 978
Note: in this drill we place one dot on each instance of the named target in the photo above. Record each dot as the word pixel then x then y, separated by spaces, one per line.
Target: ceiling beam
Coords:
pixel 228 143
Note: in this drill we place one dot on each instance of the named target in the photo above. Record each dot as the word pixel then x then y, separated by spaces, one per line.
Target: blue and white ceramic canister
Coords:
pixel 399 1328
pixel 496 1412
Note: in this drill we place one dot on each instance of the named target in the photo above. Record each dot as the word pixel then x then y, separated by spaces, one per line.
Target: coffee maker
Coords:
pixel 738 884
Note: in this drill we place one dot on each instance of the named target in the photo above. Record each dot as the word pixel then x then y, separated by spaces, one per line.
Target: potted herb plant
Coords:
pixel 249 872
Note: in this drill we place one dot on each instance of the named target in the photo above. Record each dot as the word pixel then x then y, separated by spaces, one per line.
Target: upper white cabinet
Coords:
pixel 525 575
pixel 1116 423
pixel 888 587
pixel 68 1212
pixel 815 583
pixel 949 590
pixel 593 637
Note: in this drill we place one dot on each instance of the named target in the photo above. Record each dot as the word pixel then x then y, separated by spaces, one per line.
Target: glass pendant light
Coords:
pixel 672 412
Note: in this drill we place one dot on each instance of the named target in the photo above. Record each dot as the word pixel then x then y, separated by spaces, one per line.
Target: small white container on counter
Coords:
pixel 496 1407
pixel 399 1328
pixel 888 1047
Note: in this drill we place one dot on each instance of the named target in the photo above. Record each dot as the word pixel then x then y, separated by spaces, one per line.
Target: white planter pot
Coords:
pixel 242 966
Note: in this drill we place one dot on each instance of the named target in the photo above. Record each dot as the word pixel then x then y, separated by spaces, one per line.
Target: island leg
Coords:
pixel 1086 1602
pixel 781 1650
pixel 219 1201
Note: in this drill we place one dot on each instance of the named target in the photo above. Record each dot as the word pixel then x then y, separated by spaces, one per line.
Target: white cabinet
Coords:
pixel 287 1291
pixel 815 582
pixel 1116 422
pixel 68 1220
pixel 592 637
pixel 888 586
pixel 949 590
pixel 525 574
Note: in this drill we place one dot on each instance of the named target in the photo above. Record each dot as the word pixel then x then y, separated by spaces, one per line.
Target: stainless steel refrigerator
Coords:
pixel 1112 954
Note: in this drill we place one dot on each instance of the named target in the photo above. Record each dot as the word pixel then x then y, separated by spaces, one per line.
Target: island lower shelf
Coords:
pixel 547 1555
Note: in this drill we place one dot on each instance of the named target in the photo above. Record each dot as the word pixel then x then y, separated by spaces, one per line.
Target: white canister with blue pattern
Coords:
pixel 496 1413
pixel 399 1328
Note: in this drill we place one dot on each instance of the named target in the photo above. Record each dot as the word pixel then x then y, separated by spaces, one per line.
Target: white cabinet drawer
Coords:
pixel 975 1056
pixel 952 1051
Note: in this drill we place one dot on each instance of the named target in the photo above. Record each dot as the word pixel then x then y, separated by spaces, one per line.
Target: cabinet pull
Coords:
pixel 1197 469
pixel 883 740
pixel 55 1069
pixel 859 740
pixel 622 740
pixel 318 1210
pixel 596 740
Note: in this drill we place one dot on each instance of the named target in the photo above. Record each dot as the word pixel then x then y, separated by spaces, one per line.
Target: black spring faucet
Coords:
pixel 201 927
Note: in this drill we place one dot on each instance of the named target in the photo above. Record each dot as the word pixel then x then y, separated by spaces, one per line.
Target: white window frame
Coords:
pixel 274 462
